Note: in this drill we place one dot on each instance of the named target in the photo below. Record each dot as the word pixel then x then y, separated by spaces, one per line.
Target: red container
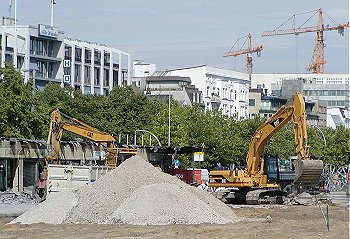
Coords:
pixel 185 175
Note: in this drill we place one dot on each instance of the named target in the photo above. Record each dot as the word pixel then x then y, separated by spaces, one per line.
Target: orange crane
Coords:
pixel 251 49
pixel 317 61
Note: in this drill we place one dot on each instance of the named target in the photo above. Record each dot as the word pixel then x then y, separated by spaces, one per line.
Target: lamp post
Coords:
pixel 143 130
pixel 324 138
pixel 169 121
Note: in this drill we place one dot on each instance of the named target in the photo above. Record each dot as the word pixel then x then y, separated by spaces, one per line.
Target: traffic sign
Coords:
pixel 176 163
pixel 198 156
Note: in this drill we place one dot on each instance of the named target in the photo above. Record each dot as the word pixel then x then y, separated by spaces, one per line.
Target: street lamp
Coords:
pixel 143 130
pixel 324 138
pixel 169 122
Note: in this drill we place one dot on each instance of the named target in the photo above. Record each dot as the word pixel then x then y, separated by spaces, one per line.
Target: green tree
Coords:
pixel 17 118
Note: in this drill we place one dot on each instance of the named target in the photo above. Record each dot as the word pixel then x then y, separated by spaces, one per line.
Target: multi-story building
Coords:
pixel 266 105
pixel 44 54
pixel 94 68
pixel 37 52
pixel 222 89
pixel 179 88
pixel 332 88
pixel 142 69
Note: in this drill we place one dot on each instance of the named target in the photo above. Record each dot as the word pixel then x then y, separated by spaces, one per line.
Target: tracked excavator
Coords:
pixel 62 122
pixel 252 184
pixel 75 126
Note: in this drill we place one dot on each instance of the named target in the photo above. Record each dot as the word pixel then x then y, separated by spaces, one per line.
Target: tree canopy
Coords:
pixel 25 113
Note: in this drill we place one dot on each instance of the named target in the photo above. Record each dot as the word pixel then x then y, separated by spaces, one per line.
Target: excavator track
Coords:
pixel 307 172
pixel 265 196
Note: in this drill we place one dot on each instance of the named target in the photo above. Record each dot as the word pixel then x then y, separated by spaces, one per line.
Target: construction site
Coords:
pixel 105 189
pixel 84 182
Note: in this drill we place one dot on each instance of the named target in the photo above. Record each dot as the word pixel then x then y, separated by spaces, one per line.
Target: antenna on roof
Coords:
pixel 10 8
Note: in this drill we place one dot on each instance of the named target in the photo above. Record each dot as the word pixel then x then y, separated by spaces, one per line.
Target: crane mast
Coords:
pixel 318 60
pixel 249 50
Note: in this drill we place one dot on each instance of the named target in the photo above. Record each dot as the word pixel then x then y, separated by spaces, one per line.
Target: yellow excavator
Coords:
pixel 58 125
pixel 252 184
pixel 62 122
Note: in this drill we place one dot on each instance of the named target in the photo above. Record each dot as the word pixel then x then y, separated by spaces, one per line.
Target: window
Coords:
pixel 78 52
pixel 97 55
pixel 50 49
pixel 33 46
pixel 97 76
pixel 87 78
pixel 87 56
pixel 106 58
pixel 78 73
pixel 50 70
pixel 40 47
pixel 67 52
pixel 106 77
pixel 251 102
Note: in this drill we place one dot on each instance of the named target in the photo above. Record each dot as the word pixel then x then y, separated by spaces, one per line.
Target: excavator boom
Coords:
pixel 253 181
pixel 57 125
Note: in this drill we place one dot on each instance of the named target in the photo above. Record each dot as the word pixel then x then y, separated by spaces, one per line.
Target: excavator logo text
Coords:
pixel 275 123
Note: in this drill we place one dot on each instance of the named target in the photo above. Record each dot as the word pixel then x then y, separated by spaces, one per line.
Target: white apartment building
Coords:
pixel 222 89
pixel 142 69
pixel 42 53
pixel 94 68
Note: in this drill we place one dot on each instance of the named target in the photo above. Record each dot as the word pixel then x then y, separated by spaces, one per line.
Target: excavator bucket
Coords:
pixel 307 172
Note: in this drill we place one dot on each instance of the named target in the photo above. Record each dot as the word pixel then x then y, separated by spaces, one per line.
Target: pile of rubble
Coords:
pixel 14 198
pixel 134 193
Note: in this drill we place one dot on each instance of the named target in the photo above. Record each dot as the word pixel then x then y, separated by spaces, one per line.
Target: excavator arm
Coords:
pixel 307 171
pixel 262 135
pixel 57 125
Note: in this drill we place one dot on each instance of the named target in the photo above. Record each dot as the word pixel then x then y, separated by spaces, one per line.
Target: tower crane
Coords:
pixel 249 50
pixel 317 61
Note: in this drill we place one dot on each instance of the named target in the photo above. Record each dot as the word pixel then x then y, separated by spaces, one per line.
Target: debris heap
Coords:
pixel 134 193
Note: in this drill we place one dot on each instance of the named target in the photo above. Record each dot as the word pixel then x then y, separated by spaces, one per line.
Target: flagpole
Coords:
pixel 52 3
pixel 15 36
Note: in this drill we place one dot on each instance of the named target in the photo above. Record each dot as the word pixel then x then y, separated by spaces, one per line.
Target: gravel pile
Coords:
pixel 136 193
pixel 53 210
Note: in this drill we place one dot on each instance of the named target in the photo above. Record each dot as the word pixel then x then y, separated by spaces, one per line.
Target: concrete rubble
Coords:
pixel 134 193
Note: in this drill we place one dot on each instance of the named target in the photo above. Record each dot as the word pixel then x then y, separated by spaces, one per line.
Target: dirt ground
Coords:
pixel 273 222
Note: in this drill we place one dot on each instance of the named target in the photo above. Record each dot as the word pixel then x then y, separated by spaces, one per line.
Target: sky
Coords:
pixel 184 33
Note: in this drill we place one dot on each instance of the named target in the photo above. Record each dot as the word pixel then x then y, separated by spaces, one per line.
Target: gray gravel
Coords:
pixel 134 193
pixel 53 210
pixel 164 203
